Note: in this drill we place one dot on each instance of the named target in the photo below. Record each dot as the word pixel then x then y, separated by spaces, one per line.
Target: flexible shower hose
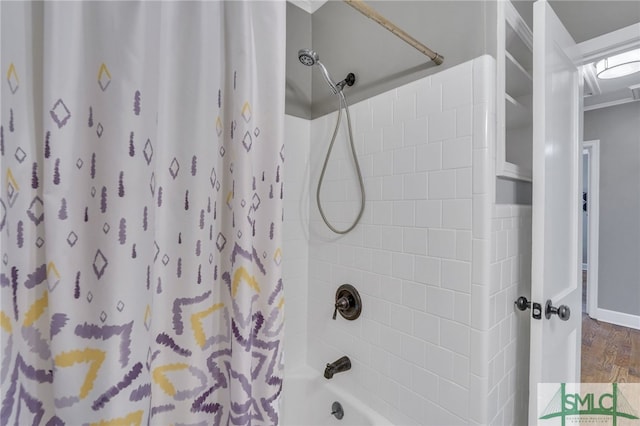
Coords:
pixel 342 100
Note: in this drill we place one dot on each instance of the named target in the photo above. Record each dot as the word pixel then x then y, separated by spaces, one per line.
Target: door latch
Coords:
pixel 523 304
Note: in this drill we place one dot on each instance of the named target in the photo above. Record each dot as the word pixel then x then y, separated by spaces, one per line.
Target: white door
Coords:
pixel 556 251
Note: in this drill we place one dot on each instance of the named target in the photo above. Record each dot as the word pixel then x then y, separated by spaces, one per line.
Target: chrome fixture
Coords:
pixel 348 302
pixel 342 364
pixel 310 58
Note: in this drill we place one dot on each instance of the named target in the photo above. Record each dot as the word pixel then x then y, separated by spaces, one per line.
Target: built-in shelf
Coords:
pixel 518 80
pixel 517 111
pixel 518 40
pixel 515 87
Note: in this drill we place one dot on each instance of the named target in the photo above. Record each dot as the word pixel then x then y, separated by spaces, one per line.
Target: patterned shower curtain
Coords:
pixel 141 212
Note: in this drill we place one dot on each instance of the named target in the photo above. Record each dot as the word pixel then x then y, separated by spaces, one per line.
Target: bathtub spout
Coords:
pixel 343 364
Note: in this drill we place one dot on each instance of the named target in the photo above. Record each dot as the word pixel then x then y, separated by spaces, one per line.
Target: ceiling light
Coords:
pixel 619 65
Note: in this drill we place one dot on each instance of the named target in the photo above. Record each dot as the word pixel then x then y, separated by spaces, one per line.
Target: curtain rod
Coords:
pixel 371 13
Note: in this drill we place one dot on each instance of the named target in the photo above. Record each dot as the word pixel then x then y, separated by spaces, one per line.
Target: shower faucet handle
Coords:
pixel 348 302
pixel 342 304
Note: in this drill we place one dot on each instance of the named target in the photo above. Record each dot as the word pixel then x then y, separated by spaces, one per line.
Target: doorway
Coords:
pixel 607 349
pixel 610 338
pixel 551 208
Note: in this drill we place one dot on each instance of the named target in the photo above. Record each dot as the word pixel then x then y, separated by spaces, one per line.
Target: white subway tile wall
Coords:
pixel 295 269
pixel 435 341
pixel 510 261
pixel 423 169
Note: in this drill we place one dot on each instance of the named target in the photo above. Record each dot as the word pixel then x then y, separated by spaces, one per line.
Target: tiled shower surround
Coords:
pixel 436 262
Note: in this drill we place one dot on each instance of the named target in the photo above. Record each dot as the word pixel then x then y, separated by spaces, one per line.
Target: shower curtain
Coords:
pixel 141 212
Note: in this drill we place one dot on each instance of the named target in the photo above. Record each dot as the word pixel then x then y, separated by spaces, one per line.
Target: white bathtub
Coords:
pixel 308 398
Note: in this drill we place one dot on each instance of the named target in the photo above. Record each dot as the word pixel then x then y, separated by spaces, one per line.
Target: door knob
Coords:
pixel 562 311
pixel 523 304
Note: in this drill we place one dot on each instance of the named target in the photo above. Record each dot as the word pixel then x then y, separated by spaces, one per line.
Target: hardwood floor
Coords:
pixel 610 353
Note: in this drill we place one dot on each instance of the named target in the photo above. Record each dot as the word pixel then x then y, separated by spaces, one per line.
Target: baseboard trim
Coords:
pixel 617 318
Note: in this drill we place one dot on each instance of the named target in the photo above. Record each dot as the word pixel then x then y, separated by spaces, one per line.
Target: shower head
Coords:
pixel 309 58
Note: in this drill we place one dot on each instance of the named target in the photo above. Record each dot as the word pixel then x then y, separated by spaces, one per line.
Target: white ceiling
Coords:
pixel 308 6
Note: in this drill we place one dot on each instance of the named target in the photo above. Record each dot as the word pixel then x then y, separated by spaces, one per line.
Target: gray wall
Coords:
pixel 459 30
pixel 347 41
pixel 618 129
pixel 298 84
